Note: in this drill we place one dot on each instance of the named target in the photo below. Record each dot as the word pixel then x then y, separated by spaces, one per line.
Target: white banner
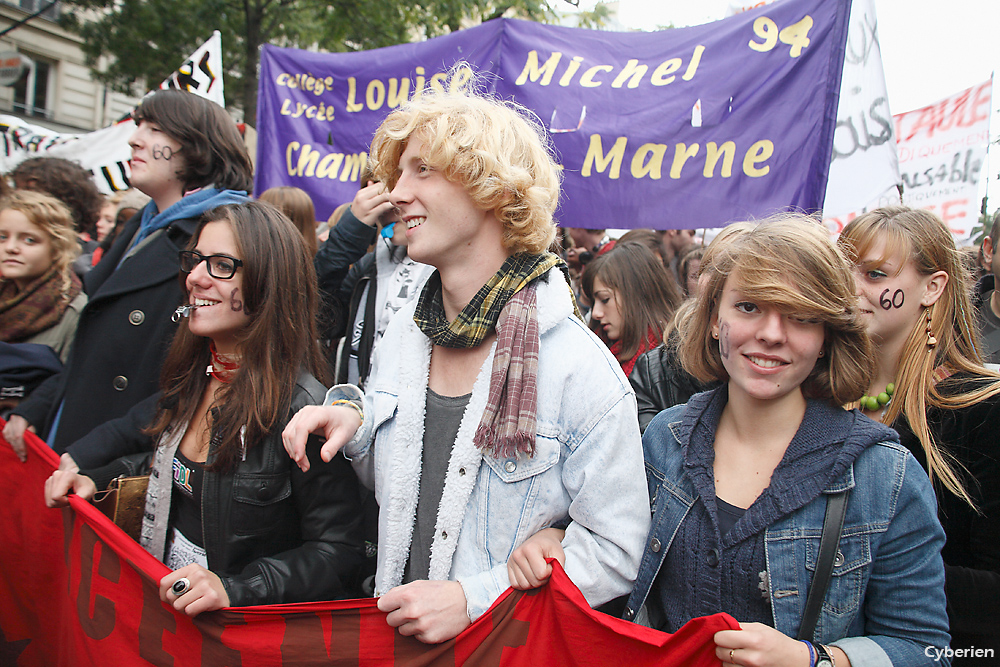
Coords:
pixel 864 161
pixel 941 151
pixel 106 152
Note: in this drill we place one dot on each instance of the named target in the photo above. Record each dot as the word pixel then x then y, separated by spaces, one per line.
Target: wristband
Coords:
pixel 812 653
pixel 352 404
pixel 823 656
pixel 829 653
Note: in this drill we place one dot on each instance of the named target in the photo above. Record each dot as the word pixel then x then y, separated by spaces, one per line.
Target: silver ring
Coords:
pixel 181 586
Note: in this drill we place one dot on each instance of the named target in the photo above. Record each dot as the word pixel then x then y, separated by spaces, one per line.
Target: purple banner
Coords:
pixel 683 128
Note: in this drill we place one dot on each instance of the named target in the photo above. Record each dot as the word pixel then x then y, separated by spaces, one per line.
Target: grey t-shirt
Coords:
pixel 442 418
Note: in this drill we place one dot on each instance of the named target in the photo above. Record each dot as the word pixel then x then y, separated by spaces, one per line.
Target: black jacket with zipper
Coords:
pixel 271 532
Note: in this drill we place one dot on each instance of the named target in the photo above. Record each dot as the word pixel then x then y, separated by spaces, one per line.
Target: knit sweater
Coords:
pixel 705 572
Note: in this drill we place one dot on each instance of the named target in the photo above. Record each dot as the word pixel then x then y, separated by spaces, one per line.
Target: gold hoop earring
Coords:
pixel 931 340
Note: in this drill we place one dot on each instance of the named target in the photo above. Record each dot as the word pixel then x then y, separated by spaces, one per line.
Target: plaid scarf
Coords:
pixel 480 316
pixel 38 307
pixel 506 303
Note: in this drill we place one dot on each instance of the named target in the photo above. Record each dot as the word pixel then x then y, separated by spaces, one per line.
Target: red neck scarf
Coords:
pixel 223 367
pixel 651 341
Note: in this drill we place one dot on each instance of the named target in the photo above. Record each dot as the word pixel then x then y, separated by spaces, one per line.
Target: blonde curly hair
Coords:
pixel 495 149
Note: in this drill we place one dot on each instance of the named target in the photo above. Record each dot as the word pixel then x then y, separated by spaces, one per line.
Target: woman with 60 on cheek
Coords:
pixel 220 313
pixel 930 386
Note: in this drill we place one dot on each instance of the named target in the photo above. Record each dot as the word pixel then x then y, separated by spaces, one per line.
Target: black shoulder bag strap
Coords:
pixel 833 526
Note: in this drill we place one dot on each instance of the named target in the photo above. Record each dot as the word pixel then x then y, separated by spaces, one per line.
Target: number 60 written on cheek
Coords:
pixel 162 152
pixel 895 302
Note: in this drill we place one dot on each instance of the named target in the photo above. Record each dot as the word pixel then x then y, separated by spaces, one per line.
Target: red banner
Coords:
pixel 75 590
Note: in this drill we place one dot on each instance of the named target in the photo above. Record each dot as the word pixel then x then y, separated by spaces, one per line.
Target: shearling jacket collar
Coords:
pixel 404 379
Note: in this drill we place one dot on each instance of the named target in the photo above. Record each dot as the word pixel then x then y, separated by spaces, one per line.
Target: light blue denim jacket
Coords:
pixel 886 602
pixel 587 465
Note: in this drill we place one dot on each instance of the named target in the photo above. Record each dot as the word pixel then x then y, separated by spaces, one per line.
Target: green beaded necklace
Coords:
pixel 873 403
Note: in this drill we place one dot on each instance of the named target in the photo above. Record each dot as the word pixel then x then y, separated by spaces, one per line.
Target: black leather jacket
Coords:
pixel 660 382
pixel 272 533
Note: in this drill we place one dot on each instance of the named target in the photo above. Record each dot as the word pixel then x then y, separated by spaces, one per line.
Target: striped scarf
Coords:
pixel 508 425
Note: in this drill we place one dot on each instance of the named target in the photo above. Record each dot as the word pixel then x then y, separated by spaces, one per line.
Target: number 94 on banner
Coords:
pixel 796 35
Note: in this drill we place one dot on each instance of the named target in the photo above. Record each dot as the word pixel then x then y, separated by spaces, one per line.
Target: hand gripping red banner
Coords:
pixel 75 590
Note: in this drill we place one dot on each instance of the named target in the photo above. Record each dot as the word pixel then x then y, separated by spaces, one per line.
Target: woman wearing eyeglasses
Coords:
pixel 188 157
pixel 234 518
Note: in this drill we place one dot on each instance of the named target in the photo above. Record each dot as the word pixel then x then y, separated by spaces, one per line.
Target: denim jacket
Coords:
pixel 885 604
pixel 587 465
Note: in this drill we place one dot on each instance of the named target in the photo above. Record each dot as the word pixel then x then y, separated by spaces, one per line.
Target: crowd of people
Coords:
pixel 437 391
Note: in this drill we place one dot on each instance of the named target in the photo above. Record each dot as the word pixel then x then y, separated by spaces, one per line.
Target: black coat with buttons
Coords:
pixel 122 337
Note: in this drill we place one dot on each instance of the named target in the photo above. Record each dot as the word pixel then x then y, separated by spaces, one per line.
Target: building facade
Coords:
pixel 55 89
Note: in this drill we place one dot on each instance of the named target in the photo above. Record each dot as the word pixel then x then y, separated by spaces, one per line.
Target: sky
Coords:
pixel 931 49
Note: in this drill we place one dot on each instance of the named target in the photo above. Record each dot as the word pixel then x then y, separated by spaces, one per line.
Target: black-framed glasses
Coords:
pixel 222 267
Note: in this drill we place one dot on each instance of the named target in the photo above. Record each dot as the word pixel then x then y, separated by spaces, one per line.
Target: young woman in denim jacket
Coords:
pixel 914 296
pixel 738 478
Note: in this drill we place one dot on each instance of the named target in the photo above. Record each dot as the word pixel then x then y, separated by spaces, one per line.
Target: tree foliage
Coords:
pixel 596 18
pixel 131 44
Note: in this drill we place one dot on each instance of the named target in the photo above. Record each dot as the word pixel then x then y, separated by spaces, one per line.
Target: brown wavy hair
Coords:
pixel 646 296
pixel 280 296
pixel 787 261
pixel 66 181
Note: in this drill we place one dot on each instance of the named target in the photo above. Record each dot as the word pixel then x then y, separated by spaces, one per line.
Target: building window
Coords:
pixel 32 6
pixel 31 92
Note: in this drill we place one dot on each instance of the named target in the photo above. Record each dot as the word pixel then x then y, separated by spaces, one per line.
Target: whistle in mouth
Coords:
pixel 182 311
